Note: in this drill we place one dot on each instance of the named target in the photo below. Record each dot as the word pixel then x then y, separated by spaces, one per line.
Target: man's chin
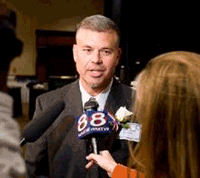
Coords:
pixel 99 84
pixel 96 85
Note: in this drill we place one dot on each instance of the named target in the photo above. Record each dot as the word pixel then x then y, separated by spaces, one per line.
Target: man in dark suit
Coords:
pixel 59 152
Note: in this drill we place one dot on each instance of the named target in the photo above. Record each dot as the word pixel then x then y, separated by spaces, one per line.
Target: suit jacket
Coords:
pixel 59 152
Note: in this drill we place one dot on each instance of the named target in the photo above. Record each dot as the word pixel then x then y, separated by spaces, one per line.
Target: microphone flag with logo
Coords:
pixel 93 123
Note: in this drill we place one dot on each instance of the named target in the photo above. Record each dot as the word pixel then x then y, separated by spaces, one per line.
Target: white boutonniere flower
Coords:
pixel 123 115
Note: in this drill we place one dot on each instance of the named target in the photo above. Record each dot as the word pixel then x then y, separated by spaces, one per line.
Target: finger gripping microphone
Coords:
pixel 93 123
pixel 41 123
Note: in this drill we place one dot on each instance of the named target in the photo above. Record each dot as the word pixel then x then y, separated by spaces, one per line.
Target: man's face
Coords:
pixel 96 55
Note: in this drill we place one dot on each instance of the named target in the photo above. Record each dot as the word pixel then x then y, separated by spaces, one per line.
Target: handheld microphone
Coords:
pixel 41 123
pixel 92 123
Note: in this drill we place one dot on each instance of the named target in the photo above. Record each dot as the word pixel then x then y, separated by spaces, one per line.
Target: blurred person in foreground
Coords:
pixel 168 107
pixel 59 152
pixel 11 161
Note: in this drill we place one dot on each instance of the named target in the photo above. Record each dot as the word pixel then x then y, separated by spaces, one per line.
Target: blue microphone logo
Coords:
pixel 94 123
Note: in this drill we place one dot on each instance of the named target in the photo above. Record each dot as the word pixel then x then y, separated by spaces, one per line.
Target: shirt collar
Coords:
pixel 100 98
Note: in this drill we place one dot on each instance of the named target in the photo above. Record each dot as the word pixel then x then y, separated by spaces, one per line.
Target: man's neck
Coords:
pixel 94 91
pixel 101 97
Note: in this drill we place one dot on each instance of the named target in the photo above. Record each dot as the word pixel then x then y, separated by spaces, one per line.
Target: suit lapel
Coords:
pixel 73 101
pixel 65 134
pixel 114 101
pixel 115 98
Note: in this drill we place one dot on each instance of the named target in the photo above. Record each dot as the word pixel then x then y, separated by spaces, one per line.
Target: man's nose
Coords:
pixel 97 58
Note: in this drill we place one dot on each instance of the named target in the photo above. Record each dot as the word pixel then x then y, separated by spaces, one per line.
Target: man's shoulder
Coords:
pixel 58 93
pixel 128 94
pixel 125 88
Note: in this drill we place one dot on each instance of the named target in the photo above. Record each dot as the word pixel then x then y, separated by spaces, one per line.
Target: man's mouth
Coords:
pixel 96 73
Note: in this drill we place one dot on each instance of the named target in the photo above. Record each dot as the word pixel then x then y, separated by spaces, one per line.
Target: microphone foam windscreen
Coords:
pixel 42 122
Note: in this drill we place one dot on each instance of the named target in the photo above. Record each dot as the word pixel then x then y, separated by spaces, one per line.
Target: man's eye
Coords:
pixel 87 50
pixel 107 52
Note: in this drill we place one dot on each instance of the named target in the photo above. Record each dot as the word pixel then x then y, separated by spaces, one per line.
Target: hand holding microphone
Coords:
pixel 104 160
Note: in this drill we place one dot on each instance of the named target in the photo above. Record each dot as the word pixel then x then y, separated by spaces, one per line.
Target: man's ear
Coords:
pixel 75 51
pixel 119 55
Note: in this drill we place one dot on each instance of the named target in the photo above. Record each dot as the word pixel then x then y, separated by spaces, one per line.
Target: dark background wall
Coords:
pixel 151 28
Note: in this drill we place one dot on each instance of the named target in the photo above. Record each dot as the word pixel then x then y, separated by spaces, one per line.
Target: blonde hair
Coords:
pixel 169 111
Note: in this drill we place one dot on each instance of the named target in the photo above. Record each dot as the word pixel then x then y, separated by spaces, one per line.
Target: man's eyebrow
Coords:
pixel 107 48
pixel 86 46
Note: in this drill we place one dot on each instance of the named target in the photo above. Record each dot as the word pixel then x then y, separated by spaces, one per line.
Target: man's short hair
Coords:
pixel 99 23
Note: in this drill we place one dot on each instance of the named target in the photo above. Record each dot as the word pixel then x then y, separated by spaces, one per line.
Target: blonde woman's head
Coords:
pixel 168 109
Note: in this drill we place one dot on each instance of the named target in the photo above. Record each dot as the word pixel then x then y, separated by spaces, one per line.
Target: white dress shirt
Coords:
pixel 100 98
